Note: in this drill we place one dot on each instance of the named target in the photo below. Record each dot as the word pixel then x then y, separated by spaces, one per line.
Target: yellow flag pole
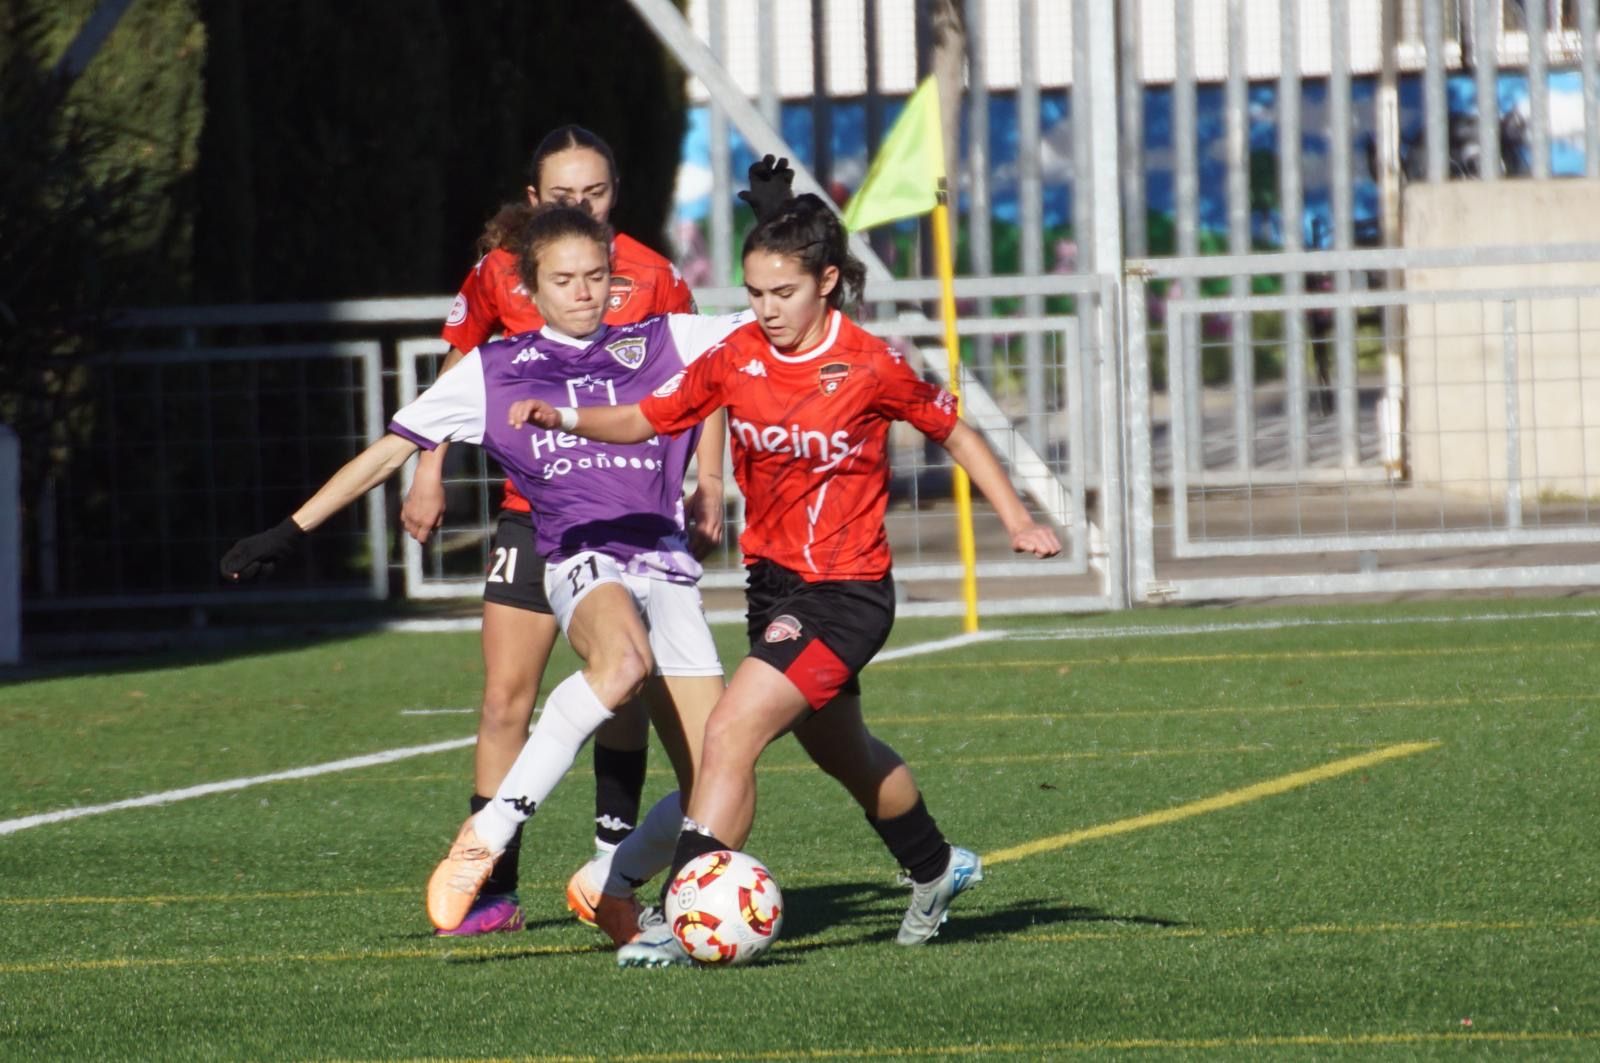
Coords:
pixel 945 253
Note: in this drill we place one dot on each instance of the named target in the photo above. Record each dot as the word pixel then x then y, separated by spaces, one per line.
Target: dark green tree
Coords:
pixel 93 211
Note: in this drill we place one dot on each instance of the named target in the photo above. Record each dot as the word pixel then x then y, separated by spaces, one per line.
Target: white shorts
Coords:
pixel 672 613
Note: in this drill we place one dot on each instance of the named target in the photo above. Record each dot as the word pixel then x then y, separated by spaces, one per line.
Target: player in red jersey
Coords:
pixel 575 167
pixel 810 398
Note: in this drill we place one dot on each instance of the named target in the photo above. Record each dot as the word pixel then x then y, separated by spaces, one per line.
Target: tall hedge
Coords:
pixel 355 149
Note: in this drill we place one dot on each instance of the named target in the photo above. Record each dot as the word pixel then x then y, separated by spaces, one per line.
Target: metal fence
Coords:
pixel 176 452
pixel 1481 471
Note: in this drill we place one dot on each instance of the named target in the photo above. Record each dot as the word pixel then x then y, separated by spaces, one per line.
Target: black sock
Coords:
pixel 916 842
pixel 692 843
pixel 618 784
pixel 503 879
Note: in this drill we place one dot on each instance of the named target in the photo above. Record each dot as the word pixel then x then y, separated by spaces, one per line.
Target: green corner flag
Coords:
pixel 904 179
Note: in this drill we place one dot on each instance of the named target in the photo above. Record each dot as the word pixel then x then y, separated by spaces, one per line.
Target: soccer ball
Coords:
pixel 724 908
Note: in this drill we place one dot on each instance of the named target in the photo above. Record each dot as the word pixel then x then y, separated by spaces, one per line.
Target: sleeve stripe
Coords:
pixel 405 433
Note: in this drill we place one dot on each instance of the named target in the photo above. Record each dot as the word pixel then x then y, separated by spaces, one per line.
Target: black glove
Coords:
pixel 770 181
pixel 259 554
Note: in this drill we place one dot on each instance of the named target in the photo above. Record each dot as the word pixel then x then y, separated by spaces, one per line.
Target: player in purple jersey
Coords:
pixel 619 573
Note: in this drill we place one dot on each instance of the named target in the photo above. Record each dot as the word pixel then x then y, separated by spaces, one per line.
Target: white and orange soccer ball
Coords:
pixel 724 908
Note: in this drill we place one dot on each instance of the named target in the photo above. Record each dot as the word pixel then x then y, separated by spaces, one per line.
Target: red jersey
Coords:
pixel 492 299
pixel 809 434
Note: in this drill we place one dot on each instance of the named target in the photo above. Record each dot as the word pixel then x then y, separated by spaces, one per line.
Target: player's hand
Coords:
pixel 704 513
pixel 1035 539
pixel 536 412
pixel 423 510
pixel 259 554
pixel 771 183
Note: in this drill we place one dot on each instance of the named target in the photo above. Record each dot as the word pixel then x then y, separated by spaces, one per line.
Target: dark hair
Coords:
pixel 809 232
pixel 542 226
pixel 566 138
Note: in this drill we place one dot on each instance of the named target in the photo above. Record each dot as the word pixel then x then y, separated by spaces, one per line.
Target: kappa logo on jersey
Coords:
pixel 830 376
pixel 670 386
pixel 458 311
pixel 529 354
pixel 621 292
pixel 782 629
pixel 629 351
pixel 755 367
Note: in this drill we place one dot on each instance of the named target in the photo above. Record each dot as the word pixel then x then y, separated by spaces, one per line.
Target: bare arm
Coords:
pixel 705 506
pixel 423 509
pixel 971 452
pixel 604 424
pixel 358 476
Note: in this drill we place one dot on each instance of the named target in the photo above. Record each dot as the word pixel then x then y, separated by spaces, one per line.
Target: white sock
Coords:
pixel 571 714
pixel 648 850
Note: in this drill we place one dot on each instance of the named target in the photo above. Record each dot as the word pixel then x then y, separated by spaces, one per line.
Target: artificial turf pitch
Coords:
pixel 1342 832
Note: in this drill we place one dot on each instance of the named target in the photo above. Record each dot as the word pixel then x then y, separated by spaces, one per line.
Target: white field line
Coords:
pixel 917 649
pixel 1041 634
pixel 11 826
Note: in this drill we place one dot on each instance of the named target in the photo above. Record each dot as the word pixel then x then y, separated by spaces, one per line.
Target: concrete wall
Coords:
pixel 1455 412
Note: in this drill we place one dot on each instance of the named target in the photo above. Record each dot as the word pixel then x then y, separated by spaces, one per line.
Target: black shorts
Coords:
pixel 515 576
pixel 819 635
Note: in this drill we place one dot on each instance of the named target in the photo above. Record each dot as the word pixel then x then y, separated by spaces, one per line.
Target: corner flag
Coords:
pixel 903 180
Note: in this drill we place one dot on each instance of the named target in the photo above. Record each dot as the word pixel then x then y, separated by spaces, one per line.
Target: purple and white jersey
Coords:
pixel 621 499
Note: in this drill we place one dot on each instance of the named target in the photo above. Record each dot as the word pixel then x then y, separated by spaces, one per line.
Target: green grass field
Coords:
pixel 1347 832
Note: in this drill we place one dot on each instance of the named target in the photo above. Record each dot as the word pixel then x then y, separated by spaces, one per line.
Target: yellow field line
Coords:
pixel 1315 930
pixel 1237 710
pixel 159 899
pixel 1040 1049
pixel 1228 799
pixel 1121 934
pixel 137 963
pixel 1214 658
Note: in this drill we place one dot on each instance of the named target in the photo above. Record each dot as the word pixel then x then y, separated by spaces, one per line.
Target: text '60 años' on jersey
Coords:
pixel 809 434
pixel 492 300
pixel 624 500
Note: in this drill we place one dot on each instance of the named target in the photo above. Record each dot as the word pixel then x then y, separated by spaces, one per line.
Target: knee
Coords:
pixel 506 707
pixel 622 674
pixel 727 742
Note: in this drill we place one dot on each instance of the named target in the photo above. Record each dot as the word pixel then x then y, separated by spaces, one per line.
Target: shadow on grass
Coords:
pixel 813 910
pixel 868 912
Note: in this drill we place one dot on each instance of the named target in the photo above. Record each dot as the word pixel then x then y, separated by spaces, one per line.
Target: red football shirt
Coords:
pixel 809 434
pixel 492 300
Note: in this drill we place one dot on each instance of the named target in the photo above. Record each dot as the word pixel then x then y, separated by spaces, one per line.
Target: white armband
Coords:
pixel 569 418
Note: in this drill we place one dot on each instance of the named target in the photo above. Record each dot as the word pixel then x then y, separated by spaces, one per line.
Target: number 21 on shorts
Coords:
pixel 569 582
pixel 503 569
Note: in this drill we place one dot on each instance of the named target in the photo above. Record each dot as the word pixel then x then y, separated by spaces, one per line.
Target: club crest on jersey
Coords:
pixel 782 629
pixel 629 351
pixel 621 292
pixel 458 311
pixel 670 386
pixel 830 376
